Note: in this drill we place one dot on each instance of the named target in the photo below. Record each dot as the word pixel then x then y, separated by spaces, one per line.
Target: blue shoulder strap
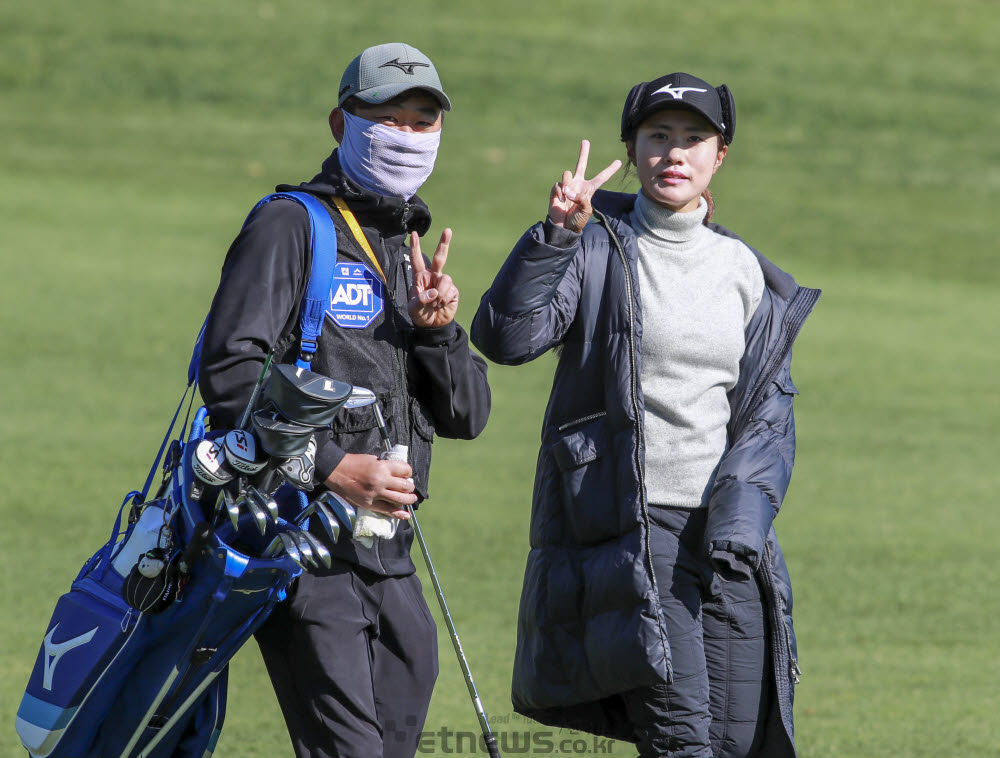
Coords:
pixel 315 301
pixel 323 249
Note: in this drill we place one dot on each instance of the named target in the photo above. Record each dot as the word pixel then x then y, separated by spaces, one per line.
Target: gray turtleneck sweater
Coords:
pixel 699 290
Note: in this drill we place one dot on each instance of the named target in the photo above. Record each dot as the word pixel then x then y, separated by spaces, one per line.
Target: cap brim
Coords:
pixel 380 94
pixel 668 104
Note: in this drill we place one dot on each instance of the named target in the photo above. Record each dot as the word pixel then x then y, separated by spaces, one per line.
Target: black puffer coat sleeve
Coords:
pixel 751 482
pixel 533 298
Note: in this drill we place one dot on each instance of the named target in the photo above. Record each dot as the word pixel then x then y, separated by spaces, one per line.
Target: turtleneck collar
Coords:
pixel 680 230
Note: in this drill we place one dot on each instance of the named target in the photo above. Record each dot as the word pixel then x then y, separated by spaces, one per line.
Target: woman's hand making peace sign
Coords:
pixel 433 295
pixel 569 201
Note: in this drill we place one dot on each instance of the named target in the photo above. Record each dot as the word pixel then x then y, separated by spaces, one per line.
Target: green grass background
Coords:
pixel 134 137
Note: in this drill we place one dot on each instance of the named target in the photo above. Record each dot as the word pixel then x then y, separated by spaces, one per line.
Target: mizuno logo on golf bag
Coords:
pixel 678 92
pixel 54 651
pixel 407 67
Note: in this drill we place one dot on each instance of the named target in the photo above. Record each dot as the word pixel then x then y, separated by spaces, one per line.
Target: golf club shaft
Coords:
pixel 256 391
pixel 381 426
pixel 484 724
pixel 490 739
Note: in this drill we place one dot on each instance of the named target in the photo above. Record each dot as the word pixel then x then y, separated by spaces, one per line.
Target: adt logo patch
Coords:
pixel 356 296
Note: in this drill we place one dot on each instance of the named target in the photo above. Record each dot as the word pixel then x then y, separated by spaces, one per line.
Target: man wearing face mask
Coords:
pixel 352 655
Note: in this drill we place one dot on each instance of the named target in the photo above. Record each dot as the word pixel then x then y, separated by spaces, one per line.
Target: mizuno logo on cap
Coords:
pixel 678 92
pixel 406 68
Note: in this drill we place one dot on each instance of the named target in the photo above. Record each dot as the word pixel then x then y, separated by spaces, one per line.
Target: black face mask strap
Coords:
pixel 728 112
pixel 635 97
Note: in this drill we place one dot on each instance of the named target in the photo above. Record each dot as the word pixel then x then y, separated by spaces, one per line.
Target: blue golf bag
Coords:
pixel 113 681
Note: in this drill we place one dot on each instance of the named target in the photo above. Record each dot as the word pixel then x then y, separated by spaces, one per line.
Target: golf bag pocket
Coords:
pixel 587 476
pixel 92 638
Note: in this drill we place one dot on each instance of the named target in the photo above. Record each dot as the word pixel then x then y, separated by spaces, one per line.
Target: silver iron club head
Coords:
pixel 360 397
pixel 319 549
pixel 291 548
pixel 328 520
pixel 344 511
pixel 257 504
pixel 304 547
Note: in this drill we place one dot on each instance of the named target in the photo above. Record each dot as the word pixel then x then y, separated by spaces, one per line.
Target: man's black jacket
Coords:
pixel 427 380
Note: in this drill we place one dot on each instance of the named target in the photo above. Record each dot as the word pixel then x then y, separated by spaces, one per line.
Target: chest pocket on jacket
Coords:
pixel 423 424
pixel 356 429
pixel 774 420
pixel 775 410
pixel 588 480
pixel 351 420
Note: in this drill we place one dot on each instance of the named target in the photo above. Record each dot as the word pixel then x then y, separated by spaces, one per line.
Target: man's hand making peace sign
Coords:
pixel 433 295
pixel 569 201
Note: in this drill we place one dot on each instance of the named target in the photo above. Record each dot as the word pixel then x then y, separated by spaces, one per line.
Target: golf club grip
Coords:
pixel 200 536
pixel 491 745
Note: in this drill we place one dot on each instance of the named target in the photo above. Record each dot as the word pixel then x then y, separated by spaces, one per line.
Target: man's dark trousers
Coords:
pixel 342 631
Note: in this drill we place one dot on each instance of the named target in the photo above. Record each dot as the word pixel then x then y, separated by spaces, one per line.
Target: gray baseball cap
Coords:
pixel 384 71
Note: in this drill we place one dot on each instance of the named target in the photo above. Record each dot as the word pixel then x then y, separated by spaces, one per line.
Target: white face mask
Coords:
pixel 384 160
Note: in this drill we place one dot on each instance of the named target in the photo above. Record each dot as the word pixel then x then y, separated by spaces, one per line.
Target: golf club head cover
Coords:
pixel 208 462
pixel 304 397
pixel 244 453
pixel 279 437
pixel 299 470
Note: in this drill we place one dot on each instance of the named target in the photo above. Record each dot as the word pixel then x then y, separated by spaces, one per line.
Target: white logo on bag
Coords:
pixel 54 651
pixel 678 92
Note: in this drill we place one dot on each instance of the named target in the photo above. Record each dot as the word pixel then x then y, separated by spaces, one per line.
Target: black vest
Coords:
pixel 378 357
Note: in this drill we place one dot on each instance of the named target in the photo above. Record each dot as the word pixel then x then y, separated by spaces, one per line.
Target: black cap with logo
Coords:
pixel 680 90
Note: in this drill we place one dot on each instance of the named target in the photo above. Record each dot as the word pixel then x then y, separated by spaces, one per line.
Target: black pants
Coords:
pixel 352 657
pixel 717 704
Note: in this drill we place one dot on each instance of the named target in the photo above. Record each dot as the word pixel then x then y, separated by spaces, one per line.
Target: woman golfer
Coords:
pixel 656 605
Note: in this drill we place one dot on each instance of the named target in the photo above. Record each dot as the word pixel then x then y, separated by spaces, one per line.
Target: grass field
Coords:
pixel 134 137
